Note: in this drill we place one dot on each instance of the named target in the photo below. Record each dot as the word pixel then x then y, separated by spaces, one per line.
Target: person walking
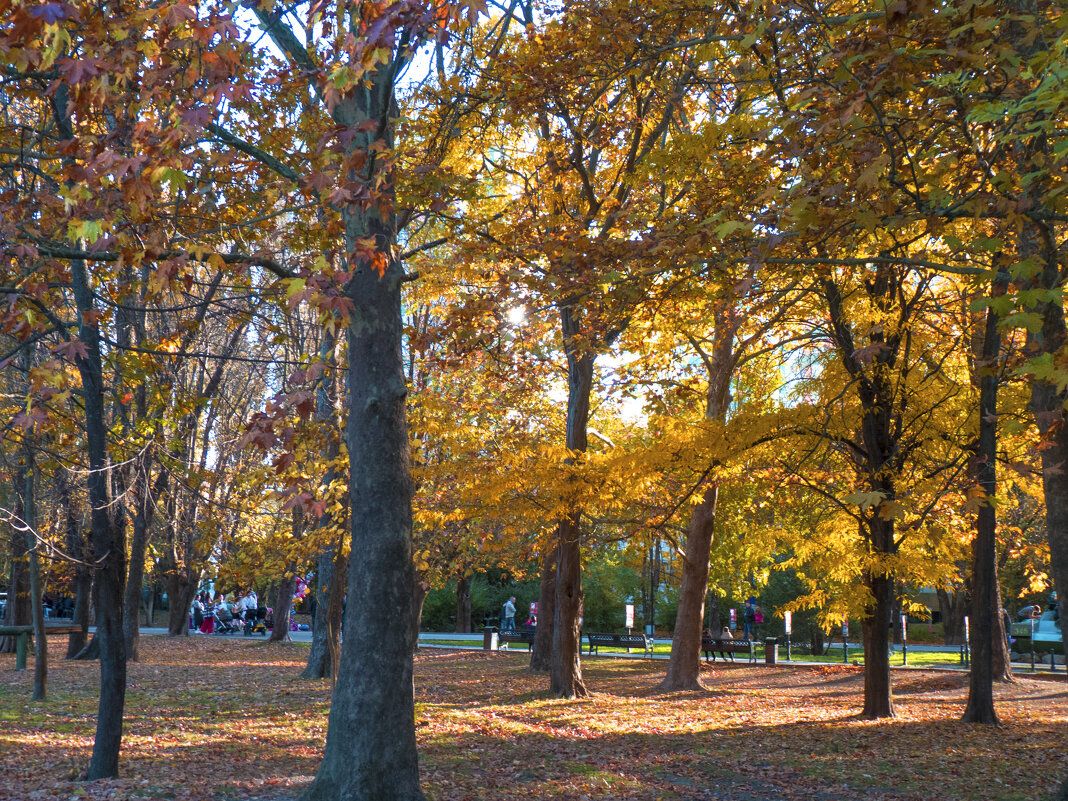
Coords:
pixel 508 615
pixel 749 618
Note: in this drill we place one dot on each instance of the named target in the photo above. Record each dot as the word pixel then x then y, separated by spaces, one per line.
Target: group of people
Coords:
pixel 228 614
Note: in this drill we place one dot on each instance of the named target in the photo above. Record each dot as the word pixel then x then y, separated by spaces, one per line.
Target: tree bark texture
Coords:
pixel 283 605
pixel 878 691
pixel 541 653
pixel 329 594
pixel 370 750
pixel 684 664
pixel 565 675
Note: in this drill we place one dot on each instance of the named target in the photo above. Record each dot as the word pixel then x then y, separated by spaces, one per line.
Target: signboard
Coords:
pixel 904 627
pixel 966 637
pixel 788 619
pixel 630 616
pixel 533 607
pixel 845 628
pixel 734 619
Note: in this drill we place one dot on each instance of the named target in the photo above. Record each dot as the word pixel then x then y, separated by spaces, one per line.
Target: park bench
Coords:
pixel 22 644
pixel 726 648
pixel 522 636
pixel 627 641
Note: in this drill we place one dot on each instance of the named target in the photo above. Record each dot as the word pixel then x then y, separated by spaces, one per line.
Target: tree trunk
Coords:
pixel 878 691
pixel 953 607
pixel 17 611
pixel 283 605
pixel 422 588
pixel 565 674
pixel 986 616
pixel 684 664
pixel 370 742
pixel 1048 408
pixel 135 578
pixel 541 652
pixel 565 671
pixel 107 526
pixel 28 471
pixel 326 639
pixel 463 605
pixel 83 589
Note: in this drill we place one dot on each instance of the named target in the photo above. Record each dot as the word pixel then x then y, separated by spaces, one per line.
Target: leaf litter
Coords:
pixel 232 720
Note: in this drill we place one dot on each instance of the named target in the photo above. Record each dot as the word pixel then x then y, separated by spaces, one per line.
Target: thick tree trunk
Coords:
pixel 541 653
pixel 878 691
pixel 565 675
pixel 370 750
pixel 463 605
pixel 684 664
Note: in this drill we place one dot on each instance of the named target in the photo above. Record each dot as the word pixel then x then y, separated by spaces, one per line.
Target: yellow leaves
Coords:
pixel 88 230
pixel 56 41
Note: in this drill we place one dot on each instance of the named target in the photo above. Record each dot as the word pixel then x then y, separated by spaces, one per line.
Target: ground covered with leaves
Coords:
pixel 231 720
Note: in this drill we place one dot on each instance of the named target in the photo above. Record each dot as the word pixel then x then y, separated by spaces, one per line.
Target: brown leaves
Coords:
pixel 210 718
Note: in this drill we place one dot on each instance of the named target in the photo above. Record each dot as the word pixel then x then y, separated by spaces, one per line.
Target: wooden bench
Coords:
pixel 22 644
pixel 726 648
pixel 522 636
pixel 627 641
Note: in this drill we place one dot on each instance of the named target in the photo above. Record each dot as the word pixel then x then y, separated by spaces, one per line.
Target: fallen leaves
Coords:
pixel 231 720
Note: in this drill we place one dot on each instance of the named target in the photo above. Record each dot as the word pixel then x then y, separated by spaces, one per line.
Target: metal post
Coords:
pixel 1032 622
pixel 1052 660
pixel 904 640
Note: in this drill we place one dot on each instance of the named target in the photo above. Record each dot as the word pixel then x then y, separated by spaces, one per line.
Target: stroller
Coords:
pixel 256 622
pixel 226 622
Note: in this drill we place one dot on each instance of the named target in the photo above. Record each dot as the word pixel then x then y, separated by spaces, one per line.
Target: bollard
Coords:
pixel 1052 661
